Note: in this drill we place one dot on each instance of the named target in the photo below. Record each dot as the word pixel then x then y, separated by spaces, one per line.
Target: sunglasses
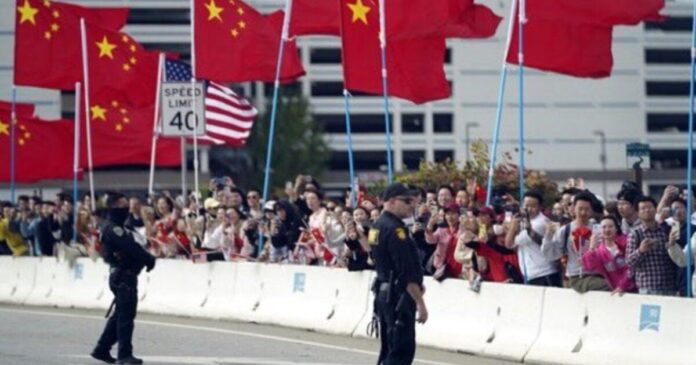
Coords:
pixel 405 200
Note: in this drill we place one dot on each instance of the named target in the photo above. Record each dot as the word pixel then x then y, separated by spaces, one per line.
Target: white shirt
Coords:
pixel 531 259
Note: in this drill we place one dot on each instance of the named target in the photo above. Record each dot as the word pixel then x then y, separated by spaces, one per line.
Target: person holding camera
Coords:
pixel 356 254
pixel 526 234
pixel 444 233
pixel 127 258
pixel 284 229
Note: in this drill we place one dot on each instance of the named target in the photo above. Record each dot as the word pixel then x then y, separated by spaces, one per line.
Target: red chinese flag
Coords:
pixel 315 17
pixel 445 18
pixel 21 109
pixel 471 20
pixel 570 49
pixel 47 44
pixel 597 12
pixel 117 61
pixel 415 67
pixel 122 133
pixel 236 43
pixel 43 149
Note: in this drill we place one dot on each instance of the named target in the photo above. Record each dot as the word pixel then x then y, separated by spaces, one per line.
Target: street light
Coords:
pixel 603 159
pixel 467 138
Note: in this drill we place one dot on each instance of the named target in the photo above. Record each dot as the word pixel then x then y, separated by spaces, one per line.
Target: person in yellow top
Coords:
pixel 14 240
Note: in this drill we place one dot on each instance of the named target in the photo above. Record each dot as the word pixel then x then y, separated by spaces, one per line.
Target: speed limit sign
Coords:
pixel 178 115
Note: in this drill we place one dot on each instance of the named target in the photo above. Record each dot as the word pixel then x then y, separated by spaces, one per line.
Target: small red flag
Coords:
pixel 44 149
pixel 47 43
pixel 236 43
pixel 415 67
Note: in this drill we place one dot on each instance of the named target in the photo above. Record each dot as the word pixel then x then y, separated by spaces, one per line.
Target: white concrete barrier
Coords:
pixel 517 314
pixel 562 328
pixel 352 302
pixel 316 298
pixel 548 325
pixel 177 287
pixel 48 269
pixel 9 277
pixel 26 278
pixel 87 286
pixel 459 319
pixel 248 287
pixel 222 291
pixel 637 329
pixel 295 296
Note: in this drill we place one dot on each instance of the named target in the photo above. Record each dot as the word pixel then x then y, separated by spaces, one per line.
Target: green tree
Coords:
pixel 298 146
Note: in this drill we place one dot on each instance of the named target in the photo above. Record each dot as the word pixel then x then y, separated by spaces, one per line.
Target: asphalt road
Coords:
pixel 38 335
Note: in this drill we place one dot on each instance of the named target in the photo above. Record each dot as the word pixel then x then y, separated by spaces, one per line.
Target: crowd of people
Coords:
pixel 628 244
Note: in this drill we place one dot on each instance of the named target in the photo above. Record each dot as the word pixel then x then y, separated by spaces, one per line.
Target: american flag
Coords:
pixel 228 116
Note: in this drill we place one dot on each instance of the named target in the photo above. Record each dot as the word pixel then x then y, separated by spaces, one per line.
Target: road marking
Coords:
pixel 219 330
pixel 200 360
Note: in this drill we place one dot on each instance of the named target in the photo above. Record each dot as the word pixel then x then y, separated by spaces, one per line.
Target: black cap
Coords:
pixel 399 189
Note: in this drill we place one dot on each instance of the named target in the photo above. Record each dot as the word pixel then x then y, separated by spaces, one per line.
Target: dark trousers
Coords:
pixel 397 333
pixel 119 327
pixel 554 280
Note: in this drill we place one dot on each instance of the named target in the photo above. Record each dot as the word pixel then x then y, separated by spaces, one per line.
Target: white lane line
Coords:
pixel 220 330
pixel 200 360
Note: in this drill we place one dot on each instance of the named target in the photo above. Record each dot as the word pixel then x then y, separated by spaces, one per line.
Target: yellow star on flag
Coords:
pixel 55 27
pixel 105 48
pixel 359 11
pixel 47 35
pixel 47 3
pixel 240 11
pixel 56 14
pixel 119 127
pixel 242 24
pixel 98 113
pixel 234 32
pixel 4 128
pixel 27 12
pixel 214 11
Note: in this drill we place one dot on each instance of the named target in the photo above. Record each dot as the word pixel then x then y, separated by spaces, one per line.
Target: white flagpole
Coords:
pixel 88 132
pixel 193 104
pixel 76 158
pixel 151 182
pixel 385 88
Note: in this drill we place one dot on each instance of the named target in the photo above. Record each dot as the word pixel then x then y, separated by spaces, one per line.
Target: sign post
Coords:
pixel 638 158
pixel 178 117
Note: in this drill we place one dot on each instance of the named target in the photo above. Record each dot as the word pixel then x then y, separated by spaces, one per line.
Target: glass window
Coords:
pixel 442 123
pixel 159 16
pixel 364 160
pixel 359 123
pixel 325 56
pixel 412 123
pixel 413 158
pixel 443 155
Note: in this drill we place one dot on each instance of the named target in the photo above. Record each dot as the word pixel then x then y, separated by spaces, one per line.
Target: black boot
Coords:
pixel 103 355
pixel 130 360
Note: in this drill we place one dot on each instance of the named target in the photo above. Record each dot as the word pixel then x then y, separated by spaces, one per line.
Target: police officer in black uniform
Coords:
pixel 398 287
pixel 127 258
